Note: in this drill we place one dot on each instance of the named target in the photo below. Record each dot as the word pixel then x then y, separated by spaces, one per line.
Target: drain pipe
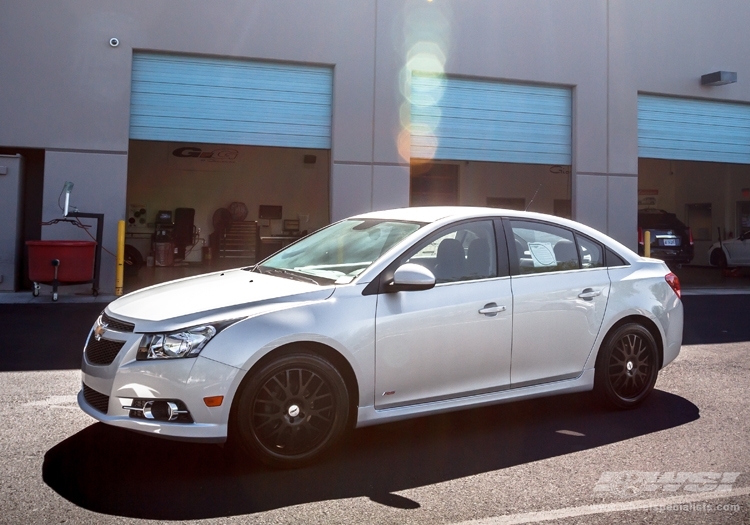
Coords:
pixel 120 257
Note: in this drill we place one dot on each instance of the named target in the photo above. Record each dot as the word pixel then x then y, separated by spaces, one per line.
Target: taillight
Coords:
pixel 640 236
pixel 674 282
pixel 690 233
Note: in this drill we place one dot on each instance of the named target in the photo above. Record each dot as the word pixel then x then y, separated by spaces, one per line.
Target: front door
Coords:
pixel 454 339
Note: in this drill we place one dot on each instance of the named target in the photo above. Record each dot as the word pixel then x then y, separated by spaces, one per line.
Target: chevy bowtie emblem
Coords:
pixel 99 331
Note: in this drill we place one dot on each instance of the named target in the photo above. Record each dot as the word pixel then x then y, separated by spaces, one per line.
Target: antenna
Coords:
pixel 534 197
pixel 67 188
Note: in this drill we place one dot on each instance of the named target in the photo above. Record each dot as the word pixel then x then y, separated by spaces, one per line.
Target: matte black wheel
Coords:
pixel 292 410
pixel 627 366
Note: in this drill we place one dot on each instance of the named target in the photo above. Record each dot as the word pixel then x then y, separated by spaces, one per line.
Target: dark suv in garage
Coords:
pixel 671 240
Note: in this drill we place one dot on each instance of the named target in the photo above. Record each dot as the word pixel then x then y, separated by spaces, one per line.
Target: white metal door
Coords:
pixel 435 344
pixel 560 294
pixel 454 339
pixel 557 317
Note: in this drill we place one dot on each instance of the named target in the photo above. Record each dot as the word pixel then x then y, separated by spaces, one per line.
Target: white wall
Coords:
pixel 65 89
pixel 99 186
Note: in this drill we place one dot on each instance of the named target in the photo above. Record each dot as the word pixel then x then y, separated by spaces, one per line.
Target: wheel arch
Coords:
pixel 714 253
pixel 324 351
pixel 648 324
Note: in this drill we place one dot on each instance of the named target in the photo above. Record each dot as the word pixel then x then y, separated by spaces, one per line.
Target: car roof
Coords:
pixel 440 214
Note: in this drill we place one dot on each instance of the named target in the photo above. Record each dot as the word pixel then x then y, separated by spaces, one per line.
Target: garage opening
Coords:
pixel 694 171
pixel 490 143
pixel 229 160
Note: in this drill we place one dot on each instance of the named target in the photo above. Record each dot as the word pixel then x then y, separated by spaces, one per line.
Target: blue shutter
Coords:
pixel 226 101
pixel 686 129
pixel 490 121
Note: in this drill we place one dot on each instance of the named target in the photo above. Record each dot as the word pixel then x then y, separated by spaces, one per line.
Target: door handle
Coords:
pixel 491 309
pixel 589 293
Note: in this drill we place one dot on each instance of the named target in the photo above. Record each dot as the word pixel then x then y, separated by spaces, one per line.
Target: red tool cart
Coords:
pixel 67 262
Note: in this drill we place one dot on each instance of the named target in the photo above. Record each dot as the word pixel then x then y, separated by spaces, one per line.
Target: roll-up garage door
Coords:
pixel 481 120
pixel 225 101
pixel 685 129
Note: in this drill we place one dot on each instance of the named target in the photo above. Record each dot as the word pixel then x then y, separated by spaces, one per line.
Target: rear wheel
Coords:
pixel 292 410
pixel 627 366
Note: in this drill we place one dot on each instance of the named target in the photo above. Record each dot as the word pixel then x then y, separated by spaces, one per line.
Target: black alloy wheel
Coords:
pixel 627 366
pixel 292 410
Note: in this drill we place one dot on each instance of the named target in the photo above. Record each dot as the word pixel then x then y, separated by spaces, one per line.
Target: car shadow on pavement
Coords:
pixel 117 472
pixel 45 336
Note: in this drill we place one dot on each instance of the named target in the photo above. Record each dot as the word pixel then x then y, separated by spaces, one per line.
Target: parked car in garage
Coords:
pixel 671 240
pixel 380 317
pixel 731 252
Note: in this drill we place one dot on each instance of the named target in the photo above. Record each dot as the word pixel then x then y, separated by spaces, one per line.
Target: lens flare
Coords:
pixel 426 33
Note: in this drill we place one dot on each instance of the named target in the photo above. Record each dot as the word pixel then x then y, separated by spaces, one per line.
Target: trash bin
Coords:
pixel 163 253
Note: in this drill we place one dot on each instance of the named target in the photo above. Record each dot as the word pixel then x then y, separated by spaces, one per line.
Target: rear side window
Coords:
pixel 615 260
pixel 542 248
pixel 590 252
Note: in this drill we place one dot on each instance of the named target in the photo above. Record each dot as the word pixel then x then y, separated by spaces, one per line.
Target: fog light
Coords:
pixel 158 410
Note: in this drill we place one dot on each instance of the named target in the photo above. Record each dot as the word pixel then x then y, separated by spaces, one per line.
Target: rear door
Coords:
pixel 560 289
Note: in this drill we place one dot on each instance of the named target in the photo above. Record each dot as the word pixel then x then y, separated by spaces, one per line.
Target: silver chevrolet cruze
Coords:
pixel 380 317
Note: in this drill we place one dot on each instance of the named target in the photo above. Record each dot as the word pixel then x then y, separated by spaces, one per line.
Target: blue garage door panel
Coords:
pixel 225 101
pixel 686 129
pixel 482 120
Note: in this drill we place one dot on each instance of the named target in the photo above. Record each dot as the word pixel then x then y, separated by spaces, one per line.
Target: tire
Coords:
pixel 133 261
pixel 718 258
pixel 627 367
pixel 292 410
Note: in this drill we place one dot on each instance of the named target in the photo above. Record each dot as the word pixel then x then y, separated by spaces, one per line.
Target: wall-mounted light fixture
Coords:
pixel 719 78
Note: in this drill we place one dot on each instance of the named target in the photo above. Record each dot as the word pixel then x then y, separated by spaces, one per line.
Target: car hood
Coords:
pixel 220 293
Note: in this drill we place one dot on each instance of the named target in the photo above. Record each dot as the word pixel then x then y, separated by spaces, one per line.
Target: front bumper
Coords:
pixel 114 386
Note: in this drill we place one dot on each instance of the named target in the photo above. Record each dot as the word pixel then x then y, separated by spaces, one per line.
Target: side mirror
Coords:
pixel 411 277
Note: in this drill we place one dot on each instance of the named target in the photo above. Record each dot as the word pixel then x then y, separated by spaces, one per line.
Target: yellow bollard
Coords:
pixel 647 243
pixel 120 257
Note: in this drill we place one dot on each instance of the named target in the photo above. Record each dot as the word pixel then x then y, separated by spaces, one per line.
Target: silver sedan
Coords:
pixel 380 317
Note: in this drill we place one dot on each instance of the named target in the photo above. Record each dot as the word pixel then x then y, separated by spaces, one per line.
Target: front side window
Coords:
pixel 340 252
pixel 463 252
pixel 542 248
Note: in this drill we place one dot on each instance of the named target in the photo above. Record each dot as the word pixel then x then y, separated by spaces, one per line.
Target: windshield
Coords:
pixel 339 253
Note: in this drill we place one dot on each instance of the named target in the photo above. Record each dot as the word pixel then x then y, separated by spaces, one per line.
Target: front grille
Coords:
pixel 95 399
pixel 102 352
pixel 117 325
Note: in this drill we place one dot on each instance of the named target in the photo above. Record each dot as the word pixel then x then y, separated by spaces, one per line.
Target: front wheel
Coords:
pixel 627 366
pixel 718 258
pixel 292 410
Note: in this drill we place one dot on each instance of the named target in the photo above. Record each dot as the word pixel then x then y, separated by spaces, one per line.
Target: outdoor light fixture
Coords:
pixel 719 78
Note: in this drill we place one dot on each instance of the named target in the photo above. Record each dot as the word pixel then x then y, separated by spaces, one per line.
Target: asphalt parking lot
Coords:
pixel 684 456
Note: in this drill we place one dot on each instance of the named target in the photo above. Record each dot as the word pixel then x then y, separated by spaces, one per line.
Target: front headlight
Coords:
pixel 185 343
